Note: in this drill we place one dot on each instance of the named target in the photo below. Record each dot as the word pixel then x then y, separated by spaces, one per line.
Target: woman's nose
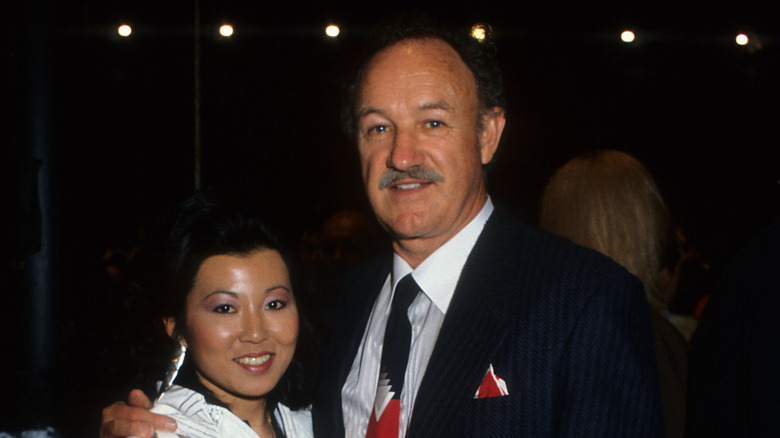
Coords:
pixel 252 328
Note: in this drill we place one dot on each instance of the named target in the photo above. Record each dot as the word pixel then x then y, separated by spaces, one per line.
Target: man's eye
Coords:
pixel 434 124
pixel 376 130
pixel 276 305
pixel 224 308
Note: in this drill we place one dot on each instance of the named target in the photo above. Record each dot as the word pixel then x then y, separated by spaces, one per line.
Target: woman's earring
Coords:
pixel 173 369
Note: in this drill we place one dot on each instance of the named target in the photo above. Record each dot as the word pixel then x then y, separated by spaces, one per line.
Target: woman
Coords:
pixel 608 201
pixel 229 302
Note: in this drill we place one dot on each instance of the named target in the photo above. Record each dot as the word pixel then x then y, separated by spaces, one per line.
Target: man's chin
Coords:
pixel 407 226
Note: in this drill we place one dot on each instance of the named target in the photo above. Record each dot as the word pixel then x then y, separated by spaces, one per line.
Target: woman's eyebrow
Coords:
pixel 278 286
pixel 220 291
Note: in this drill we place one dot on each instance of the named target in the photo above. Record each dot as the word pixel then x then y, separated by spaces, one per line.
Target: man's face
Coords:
pixel 420 149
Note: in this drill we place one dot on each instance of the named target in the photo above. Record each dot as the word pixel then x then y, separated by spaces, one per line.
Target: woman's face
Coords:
pixel 242 323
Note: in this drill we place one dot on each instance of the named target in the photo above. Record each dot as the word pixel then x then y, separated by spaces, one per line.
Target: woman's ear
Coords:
pixel 170 328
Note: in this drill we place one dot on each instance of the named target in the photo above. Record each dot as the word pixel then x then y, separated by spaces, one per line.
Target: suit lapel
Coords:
pixel 361 289
pixel 472 331
pixel 363 295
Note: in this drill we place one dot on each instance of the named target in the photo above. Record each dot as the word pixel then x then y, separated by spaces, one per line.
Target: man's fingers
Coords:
pixel 121 420
pixel 138 399
pixel 124 428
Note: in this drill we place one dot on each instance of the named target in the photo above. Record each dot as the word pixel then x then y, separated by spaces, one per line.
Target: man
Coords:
pixel 513 332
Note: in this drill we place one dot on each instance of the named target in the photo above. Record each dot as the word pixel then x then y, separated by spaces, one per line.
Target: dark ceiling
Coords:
pixel 120 121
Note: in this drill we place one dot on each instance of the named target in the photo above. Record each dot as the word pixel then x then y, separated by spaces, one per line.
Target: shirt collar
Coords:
pixel 438 274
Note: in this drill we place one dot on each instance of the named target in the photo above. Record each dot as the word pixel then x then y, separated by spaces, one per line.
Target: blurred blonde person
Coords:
pixel 608 201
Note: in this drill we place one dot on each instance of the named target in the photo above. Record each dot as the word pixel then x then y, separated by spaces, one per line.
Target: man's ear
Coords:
pixel 492 123
pixel 170 328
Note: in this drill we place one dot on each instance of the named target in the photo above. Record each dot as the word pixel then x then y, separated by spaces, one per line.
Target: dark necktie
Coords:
pixel 395 355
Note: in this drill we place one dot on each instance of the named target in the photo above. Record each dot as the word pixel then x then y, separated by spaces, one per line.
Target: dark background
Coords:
pixel 99 137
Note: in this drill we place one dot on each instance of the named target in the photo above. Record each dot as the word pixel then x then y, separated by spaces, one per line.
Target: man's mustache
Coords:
pixel 417 172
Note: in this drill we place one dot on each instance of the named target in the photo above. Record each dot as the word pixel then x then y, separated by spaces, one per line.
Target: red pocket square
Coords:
pixel 491 386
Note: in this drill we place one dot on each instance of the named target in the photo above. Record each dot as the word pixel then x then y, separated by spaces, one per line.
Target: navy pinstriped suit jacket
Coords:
pixel 566 328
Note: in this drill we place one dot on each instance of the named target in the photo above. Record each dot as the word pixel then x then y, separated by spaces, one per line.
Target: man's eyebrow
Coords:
pixel 439 104
pixel 366 111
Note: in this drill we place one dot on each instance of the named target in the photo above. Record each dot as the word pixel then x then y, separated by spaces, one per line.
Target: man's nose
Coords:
pixel 405 152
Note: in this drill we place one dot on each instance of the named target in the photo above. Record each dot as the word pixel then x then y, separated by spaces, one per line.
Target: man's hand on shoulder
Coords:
pixel 133 418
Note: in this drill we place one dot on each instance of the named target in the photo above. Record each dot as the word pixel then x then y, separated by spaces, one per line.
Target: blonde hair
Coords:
pixel 608 201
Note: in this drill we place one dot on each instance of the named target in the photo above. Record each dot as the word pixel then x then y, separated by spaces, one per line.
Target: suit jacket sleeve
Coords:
pixel 607 372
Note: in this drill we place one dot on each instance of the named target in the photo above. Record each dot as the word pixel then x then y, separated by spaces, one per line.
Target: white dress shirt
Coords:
pixel 437 276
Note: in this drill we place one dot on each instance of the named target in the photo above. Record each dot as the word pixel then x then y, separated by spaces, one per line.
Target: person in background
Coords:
pixel 607 200
pixel 346 238
pixel 734 388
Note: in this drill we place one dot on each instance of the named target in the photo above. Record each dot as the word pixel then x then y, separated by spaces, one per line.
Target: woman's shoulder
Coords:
pixel 179 400
pixel 296 423
pixel 196 417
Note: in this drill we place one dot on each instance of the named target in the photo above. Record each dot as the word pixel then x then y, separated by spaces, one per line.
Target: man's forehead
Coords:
pixel 417 62
pixel 433 50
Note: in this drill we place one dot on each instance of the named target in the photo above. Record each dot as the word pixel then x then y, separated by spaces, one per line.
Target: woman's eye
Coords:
pixel 276 305
pixel 224 308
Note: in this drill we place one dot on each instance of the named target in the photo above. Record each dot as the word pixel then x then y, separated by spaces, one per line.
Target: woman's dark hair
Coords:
pixel 478 56
pixel 213 223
